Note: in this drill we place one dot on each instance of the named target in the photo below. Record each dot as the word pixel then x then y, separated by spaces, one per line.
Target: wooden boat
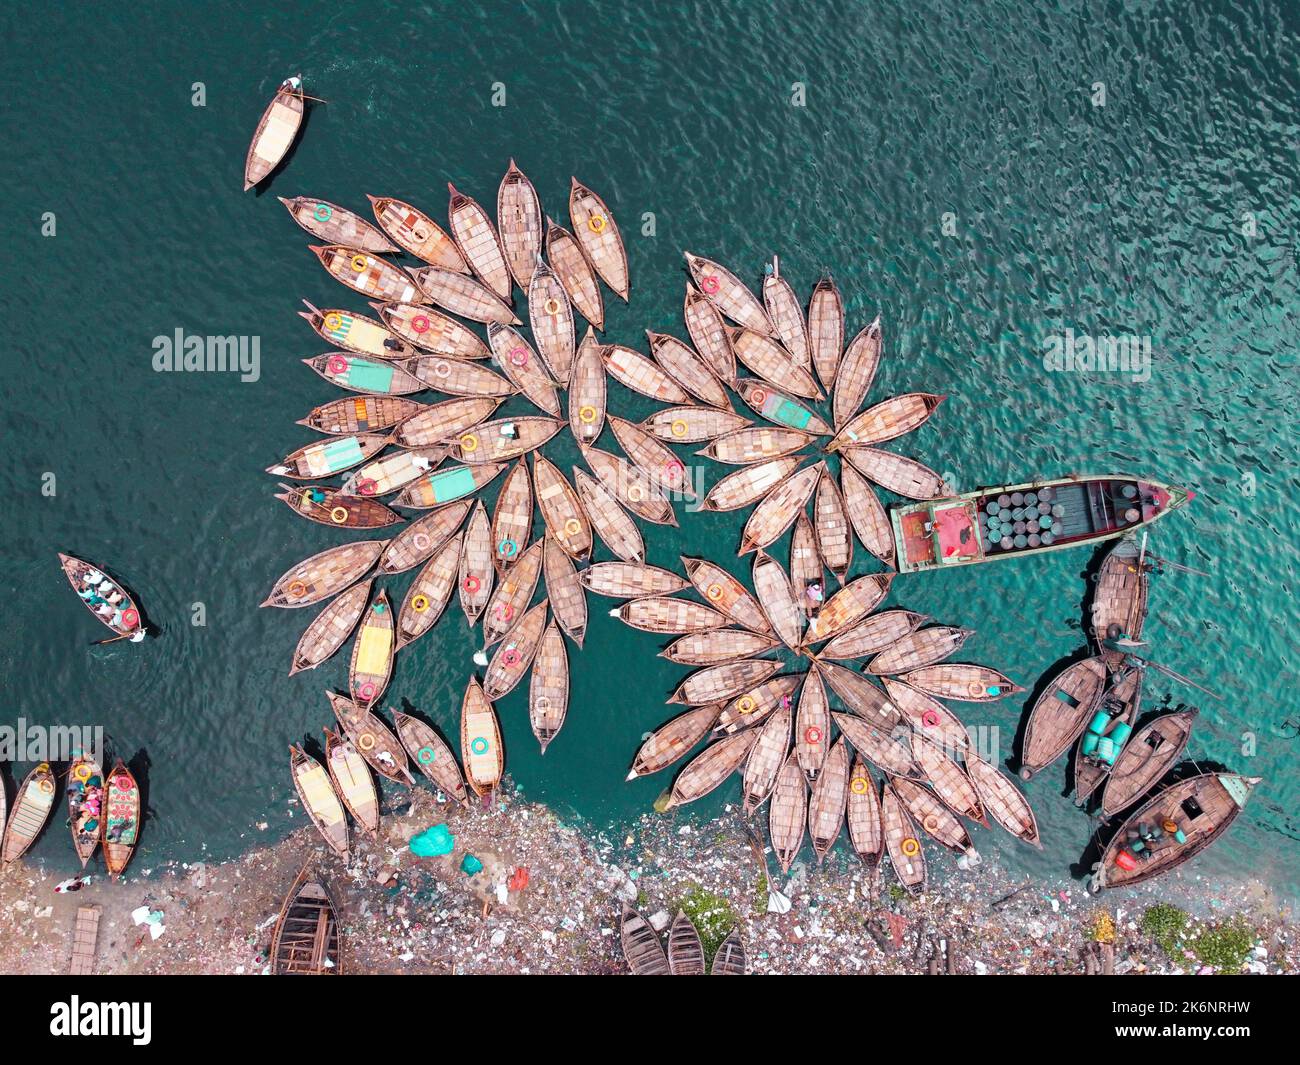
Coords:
pixel 904 848
pixel 325 574
pixel 826 330
pixel 328 506
pixel 873 634
pixel 374 739
pixel 513 594
pixel 352 780
pixel 861 694
pixel 847 607
pixel 463 295
pixel 1119 599
pixel 359 415
pixel 716 646
pixel 887 753
pixel 750 483
pixel 368 274
pixel 456 377
pixel 692 425
pixel 110 603
pixel 826 805
pixel 31 809
pixel 657 613
pixel 812 726
pixel 672 740
pixel 512 658
pixel 806 575
pixel 476 237
pixel 601 242
pixel 306 940
pixel 445 421
pixel 85 796
pixel 786 315
pixel 685 951
pixel 519 224
pixel 512 517
pixel 866 515
pixel 708 769
pixel 755 705
pixel 630 580
pixel 522 366
pixel 758 443
pixel 587 391
pixel 764 356
pixel 714 684
pixel 1148 755
pixel 765 759
pixel 429 593
pixel 415 544
pixel 446 486
pixel 688 369
pixel 476 572
pixel 561 509
pixel 926 716
pixel 940 823
pixel 575 274
pixel 1172 827
pixel 551 316
pixel 709 335
pixel 564 590
pixel 961 681
pixel 780 407
pixel 1002 800
pixel 328 457
pixel 1111 726
pixel 728 293
pixel 504 439
pixel 787 815
pixel 834 536
pixel 393 471
pixel 856 371
pixel 949 781
pixel 548 692
pixel 730 958
pixel 430 752
pixel 319 799
pixel 896 473
pixel 275 133
pixel 641 947
pixel 633 370
pixel 777 510
pixel 630 486
pixel 610 521
pixel 777 599
pixel 866 831
pixel 887 421
pixel 923 647
pixel 357 333
pixel 1060 714
pixel 655 459
pixel 726 593
pixel 417 233
pixel 337 225
pixel 431 330
pixel 330 629
pixel 373 377
pixel 971 528
pixel 372 654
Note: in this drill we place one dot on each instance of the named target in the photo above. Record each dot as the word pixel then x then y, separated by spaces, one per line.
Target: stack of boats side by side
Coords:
pixel 685 954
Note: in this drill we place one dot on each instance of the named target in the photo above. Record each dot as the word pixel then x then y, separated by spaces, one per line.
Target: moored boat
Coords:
pixel 515 654
pixel 325 458
pixel 812 725
pixel 777 598
pixel 873 634
pixel 374 377
pixel 726 593
pixel 787 813
pixel 708 769
pixel 548 689
pixel 513 594
pixel 896 473
pixel 775 693
pixel 1109 730
pixel 329 506
pixel 575 273
pixel 429 593
pixel 786 314
pixel 633 370
pixel 939 822
pixel 360 415
pixel 949 781
pixel 715 646
pixel 827 803
pixel 86 806
pixel 1060 714
pixel 564 590
pixel 1002 800
pixel 1119 598
pixel 826 330
pixel 904 848
pixel 445 421
pixel 641 947
pixel 325 574
pixel 766 358
pixel 693 425
pixel 709 334
pixel 923 647
pixel 446 486
pixel 730 958
pixel 714 684
pixel 846 607
pixel 750 483
pixel 476 571
pixel 276 132
pixel 31 809
pixel 609 520
pixel 431 330
pixel 831 524
pixel 961 681
pixel 685 951
pixel 337 225
pixel 652 457
pixel 759 443
pixel 512 517
pixel 630 580
pixel 887 421
pixel 728 293
pixel 504 439
pixel 551 316
pixel 417 233
pixel 456 377
pixel 688 369
pixel 395 470
pixel 476 237
pixel 352 780
pixel 867 515
pixel 373 738
pixel 431 754
pixel 519 224
pixel 306 939
pixel 777 510
pixel 587 391
pixel 601 242
pixel 462 295
pixel 866 831
pixel 368 274
pixel 372 654
pixel 780 407
pixel 765 759
pixel 856 371
pixel 356 332
pixel 1148 755
pixel 319 799
pixel 806 575
pixel 926 716
pixel 330 629
pixel 657 613
pixel 522 366
pixel 672 740
pixel 630 486
pixel 561 510
pixel 887 753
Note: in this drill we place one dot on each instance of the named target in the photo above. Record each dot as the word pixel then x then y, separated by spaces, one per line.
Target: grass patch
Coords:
pixel 1224 945
pixel 711 914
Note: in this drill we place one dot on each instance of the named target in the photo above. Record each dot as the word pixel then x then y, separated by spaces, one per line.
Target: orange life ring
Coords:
pixel 910 847
pixel 1169 826
pixel 130 618
pixel 812 734
pixel 296 589
pixel 757 395
pixel 715 592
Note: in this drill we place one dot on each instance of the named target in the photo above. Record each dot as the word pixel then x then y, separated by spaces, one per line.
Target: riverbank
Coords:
pixel 405 914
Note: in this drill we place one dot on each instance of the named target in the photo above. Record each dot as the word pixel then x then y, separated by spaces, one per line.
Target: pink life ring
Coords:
pixel 337 364
pixel 420 323
pixel 757 395
pixel 929 719
pixel 505 611
pixel 130 619
pixel 367 486
pixel 519 355
pixel 509 657
pixel 709 284
pixel 366 691
pixel 420 541
pixel 471 584
pixel 812 735
pixel 674 469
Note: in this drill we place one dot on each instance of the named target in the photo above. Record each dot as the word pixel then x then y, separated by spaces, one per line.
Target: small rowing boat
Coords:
pixel 787 815
pixel 630 580
pixel 326 505
pixel 896 473
pixel 521 365
pixel 463 295
pixel 829 798
pixel 730 958
pixel 104 597
pixel 337 225
pixel 1002 800
pixel 714 684
pixel 765 759
pixel 688 369
pixel 275 133
pixel 856 371
pixel 872 635
pixel 1148 755
pixel 551 316
pixel 352 780
pixel 328 457
pixel 564 590
pixel 432 755
pixel 512 517
pixel 519 222
pixel 728 293
pixel 786 314
pixel 356 332
pixel 887 421
pixel 515 654
pixel 948 780
pixel 374 739
pixel 866 831
pixel 476 237
pixel 561 509
pixel 826 330
pixel 708 769
pixel 812 725
pixel 610 521
pixel 806 566
pixel 939 823
pixel 445 486
pixel 31 809
pixel 656 613
pixel 1060 714
pixel 504 439
pixel 671 741
pixel 887 753
pixel 306 940
pixel 575 274
pixel 766 358
pixel 367 273
pixel 693 425
pixel 633 370
pixel 961 681
pixel 395 470
pixel 750 483
pixel 641 947
pixel 548 688
pixel 372 654
pixel 429 593
pixel 685 951
pixel 370 376
pixel 831 524
pixel 709 335
pixel 431 330
pixel 325 574
pixel 480 742
pixel 601 242
pixel 867 516
pixel 860 694
pixel 513 594
pixel 923 647
pixel 725 592
pixel 476 571
pixel 417 233
pixel 85 788
pixel 758 443
pixel 776 597
pixel 330 629
pixel 926 716
pixel 755 705
pixel 904 848
pixel 587 391
pixel 456 377
pixel 716 646
pixel 1118 609
pixel 631 486
pixel 777 510
pixel 1020 519
pixel 320 800
pixel 847 607
pixel 655 459
pixel 1108 731
pixel 780 407
pixel 442 422
pixel 358 415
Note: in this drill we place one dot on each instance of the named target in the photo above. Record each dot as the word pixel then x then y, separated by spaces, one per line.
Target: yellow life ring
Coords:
pixel 296 589
pixel 552 306
pixel 339 515
pixel 45 784
pixel 679 428
pixel 715 592
pixel 366 741
pixel 359 263
pixel 596 223
pixel 910 847
pixel 859 785
pixel 333 320
pixel 745 704
pixel 587 414
pixel 572 527
pixel 469 443
pixel 420 603
pixel 82 772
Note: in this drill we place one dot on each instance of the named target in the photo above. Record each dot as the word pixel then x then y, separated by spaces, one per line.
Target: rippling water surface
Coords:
pixel 951 168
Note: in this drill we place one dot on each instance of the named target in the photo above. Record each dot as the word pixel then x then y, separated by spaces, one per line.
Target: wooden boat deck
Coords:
pixel 85 941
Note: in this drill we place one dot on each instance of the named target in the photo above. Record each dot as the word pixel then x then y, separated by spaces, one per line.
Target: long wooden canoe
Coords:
pixel 1111 726
pixel 786 315
pixel 31 809
pixel 685 951
pixel 373 377
pixel 688 369
pixel 356 332
pixel 861 694
pixel 352 415
pixel 641 947
pixel 777 598
pixel 776 511
pixel 901 841
pixel 427 597
pixel 368 274
pixel 440 487
pixel 513 593
pixel 328 457
pixel 896 473
pixel 476 570
pixel 610 521
pixel 306 939
pixel 523 367
pixel 575 273
pixel 729 294
pixel 873 634
pixel 1148 755
pixel 395 470
pixel 755 705
pixel 888 420
pixel 656 613
pixel 1119 598
pixel 330 629
pixel 417 234
pixel 922 648
pixel 276 132
pixel 848 606
pixel 939 822
pixel 716 646
pixel 564 590
pixel 372 654
pixel 926 716
pixel 726 593
pixel 104 597
pixel 633 370
pixel 337 225
pixel 887 753
pixel 812 726
pixel 780 406
pixel 961 681
pixel 656 459
pixel 587 391
pixel 709 334
pixel 325 574
pixel 509 664
pixel 374 739
pixel 806 576
pixel 787 815
pixel 630 580
pixel 602 243
pixel 462 295
pixel 758 443
pixel 548 690
pixel 415 544
pixel 730 958
pixel 85 797
pixel 766 358
pixel 561 509
pixel 551 316
pixel 714 684
pixel 866 831
pixel 827 803
pixel 1002 800
pixel 855 373
pixel 1060 714
pixel 445 421
pixel 319 799
pixel 831 523
pixel 504 439
pixel 693 425
pixel 432 331
pixel 431 753
pixel 512 517
pixel 708 769
pixel 672 740
pixel 630 486
pixel 826 330
pixel 326 505
pixel 867 515
pixel 765 759
pixel 352 780
pixel 480 741
pixel 949 780
pixel 476 237
pixel 750 483
pixel 519 224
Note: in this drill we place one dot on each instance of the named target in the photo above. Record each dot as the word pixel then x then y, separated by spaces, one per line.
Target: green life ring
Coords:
pixel 426 755
pixel 324 212
pixel 479 745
